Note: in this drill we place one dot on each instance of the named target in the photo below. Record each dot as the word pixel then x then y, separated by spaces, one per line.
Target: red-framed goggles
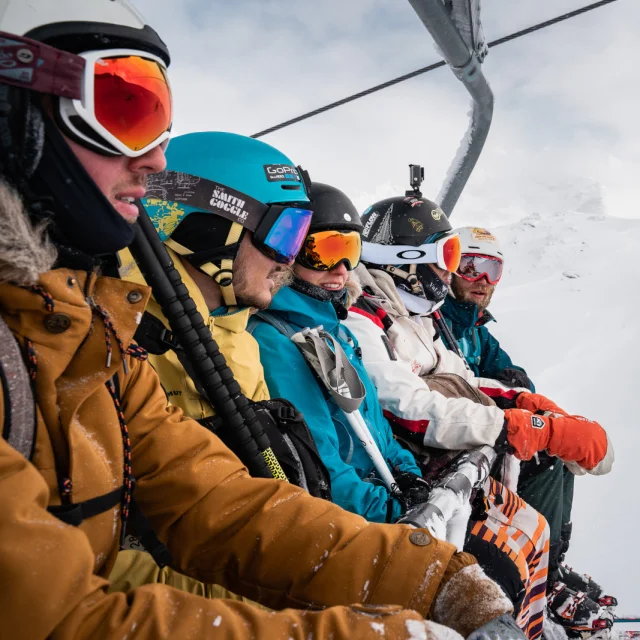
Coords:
pixel 117 101
pixel 474 266
pixel 443 252
pixel 278 229
pixel 325 250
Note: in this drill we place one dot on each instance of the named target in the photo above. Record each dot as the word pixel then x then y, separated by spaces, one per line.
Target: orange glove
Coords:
pixel 570 438
pixel 535 402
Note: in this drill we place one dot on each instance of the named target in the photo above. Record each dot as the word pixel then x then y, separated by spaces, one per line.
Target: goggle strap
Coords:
pixel 39 67
pixel 210 196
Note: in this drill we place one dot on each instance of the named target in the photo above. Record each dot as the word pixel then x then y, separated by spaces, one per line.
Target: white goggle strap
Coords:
pixel 384 254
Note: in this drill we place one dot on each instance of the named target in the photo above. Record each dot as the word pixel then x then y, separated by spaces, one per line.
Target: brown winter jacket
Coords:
pixel 264 539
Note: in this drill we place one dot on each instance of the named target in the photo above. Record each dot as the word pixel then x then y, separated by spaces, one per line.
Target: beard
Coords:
pixel 464 294
pixel 250 294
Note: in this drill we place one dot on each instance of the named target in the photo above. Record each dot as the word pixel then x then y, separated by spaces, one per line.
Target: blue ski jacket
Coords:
pixel 354 484
pixel 480 349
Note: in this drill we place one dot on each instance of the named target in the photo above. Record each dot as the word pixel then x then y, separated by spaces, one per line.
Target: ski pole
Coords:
pixel 339 376
pixel 211 375
pixel 360 428
pixel 450 342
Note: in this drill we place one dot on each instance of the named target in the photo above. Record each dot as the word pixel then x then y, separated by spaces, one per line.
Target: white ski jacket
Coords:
pixel 396 369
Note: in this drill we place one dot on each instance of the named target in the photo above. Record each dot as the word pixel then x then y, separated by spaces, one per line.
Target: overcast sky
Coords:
pixel 565 131
pixel 566 112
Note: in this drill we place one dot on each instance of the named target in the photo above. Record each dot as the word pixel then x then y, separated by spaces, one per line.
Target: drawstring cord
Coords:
pixel 135 351
pixel 126 447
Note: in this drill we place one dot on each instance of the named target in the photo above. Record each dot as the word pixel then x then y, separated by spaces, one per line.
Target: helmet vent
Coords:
pixel 290 187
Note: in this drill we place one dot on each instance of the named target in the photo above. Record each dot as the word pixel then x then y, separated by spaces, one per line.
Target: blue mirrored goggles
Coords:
pixel 281 232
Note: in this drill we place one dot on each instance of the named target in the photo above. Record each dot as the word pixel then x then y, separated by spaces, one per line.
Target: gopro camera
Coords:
pixel 416 178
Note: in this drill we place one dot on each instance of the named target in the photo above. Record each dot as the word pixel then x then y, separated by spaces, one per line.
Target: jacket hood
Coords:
pixel 382 285
pixel 25 249
pixel 465 314
pixel 304 311
pixel 353 287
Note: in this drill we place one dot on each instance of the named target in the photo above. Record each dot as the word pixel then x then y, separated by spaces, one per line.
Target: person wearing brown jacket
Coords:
pixel 101 416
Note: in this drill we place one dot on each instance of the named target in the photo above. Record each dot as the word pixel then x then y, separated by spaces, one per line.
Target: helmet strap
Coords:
pixel 222 275
pixel 410 278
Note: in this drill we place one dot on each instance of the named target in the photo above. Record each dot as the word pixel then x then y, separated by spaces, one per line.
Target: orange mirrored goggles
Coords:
pixel 132 100
pixel 126 103
pixel 325 250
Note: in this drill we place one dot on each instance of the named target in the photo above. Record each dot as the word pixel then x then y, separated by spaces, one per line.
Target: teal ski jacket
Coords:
pixel 354 484
pixel 480 349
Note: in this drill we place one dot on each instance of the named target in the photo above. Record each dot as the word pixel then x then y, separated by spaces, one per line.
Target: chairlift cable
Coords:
pixel 431 67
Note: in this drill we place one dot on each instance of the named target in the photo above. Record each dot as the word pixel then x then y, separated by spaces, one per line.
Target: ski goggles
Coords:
pixel 278 229
pixel 126 105
pixel 473 267
pixel 443 251
pixel 325 250
pixel 281 232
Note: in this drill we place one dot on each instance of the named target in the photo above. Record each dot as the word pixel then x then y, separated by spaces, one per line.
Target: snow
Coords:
pixel 567 311
pixel 378 627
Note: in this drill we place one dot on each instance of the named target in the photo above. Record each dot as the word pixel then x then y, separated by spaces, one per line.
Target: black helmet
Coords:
pixel 333 211
pixel 402 236
pixel 402 221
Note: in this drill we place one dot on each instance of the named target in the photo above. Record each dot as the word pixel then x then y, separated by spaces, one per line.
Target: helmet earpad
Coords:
pixel 205 235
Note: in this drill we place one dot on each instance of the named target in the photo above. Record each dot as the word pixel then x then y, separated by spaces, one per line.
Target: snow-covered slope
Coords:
pixel 568 311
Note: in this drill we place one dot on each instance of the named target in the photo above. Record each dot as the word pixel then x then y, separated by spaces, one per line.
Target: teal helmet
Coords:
pixel 216 187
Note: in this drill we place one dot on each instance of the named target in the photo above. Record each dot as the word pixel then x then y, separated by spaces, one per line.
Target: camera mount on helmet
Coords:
pixel 416 178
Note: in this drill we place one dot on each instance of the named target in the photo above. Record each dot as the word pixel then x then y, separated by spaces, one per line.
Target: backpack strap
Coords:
pixel 269 318
pixel 19 423
pixel 153 336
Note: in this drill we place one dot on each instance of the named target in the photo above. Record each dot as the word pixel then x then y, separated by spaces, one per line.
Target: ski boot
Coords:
pixel 578 614
pixel 583 582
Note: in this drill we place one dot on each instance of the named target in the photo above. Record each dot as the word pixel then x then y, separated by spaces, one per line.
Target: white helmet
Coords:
pixel 479 241
pixel 81 25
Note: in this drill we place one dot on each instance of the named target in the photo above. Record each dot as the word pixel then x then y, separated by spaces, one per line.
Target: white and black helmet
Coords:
pixel 402 236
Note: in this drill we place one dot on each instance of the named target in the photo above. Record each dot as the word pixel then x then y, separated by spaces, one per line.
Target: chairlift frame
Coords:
pixel 467 67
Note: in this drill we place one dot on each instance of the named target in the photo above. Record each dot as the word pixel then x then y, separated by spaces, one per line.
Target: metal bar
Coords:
pixel 467 69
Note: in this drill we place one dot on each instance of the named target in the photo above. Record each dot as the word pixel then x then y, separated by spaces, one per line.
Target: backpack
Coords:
pixel 290 438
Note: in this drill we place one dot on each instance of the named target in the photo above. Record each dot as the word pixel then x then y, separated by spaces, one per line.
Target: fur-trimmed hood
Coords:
pixel 381 284
pixel 25 250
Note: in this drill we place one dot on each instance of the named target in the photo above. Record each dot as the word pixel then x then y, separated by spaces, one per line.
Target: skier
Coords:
pixel 543 481
pixel 407 241
pixel 514 554
pixel 317 296
pixel 82 125
pixel 205 240
pixel 466 308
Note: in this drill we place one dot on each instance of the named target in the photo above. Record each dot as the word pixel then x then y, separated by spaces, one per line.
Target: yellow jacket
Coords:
pixel 266 539
pixel 229 331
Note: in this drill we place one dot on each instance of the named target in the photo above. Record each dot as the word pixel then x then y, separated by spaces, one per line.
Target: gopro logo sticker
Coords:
pixel 281 172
